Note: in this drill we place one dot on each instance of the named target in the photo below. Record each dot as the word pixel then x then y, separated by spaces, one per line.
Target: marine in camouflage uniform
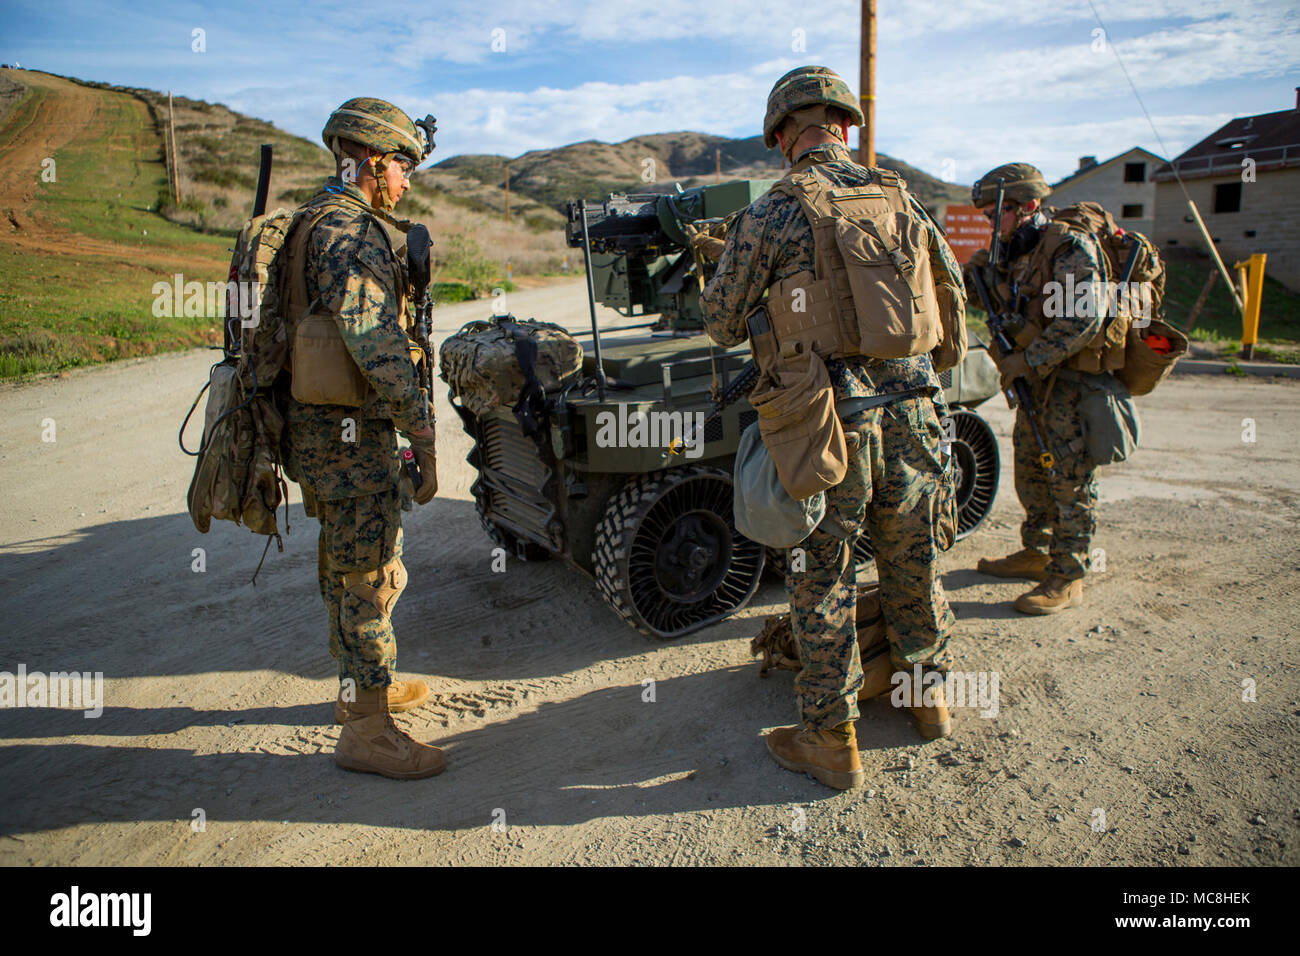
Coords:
pixel 1060 507
pixel 345 456
pixel 897 487
pixel 352 471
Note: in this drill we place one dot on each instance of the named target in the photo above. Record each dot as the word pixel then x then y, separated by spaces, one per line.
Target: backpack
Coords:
pixel 1133 312
pixel 238 472
pixel 775 643
pixel 502 361
pixel 874 289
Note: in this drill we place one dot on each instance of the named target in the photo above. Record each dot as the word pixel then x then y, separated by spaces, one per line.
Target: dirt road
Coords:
pixel 1122 735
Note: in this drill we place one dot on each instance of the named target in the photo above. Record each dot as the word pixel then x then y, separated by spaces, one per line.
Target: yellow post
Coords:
pixel 1252 276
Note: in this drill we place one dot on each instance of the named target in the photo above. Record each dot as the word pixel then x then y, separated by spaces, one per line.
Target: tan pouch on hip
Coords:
pixel 796 416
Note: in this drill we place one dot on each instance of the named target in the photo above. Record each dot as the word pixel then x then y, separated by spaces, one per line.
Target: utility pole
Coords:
pixel 718 160
pixel 507 192
pixel 171 136
pixel 867 78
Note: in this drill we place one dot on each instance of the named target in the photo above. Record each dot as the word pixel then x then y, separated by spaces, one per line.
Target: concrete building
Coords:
pixel 1245 180
pixel 1122 184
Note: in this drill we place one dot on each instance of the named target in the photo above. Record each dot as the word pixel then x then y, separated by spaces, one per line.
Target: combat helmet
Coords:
pixel 383 127
pixel 804 87
pixel 1021 183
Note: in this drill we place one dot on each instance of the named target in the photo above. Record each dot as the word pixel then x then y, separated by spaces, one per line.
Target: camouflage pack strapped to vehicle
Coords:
pixel 492 363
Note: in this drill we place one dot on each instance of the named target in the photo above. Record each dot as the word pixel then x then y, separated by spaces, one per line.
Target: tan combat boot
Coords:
pixel 1025 563
pixel 1053 595
pixel 402 696
pixel 934 720
pixel 371 743
pixel 830 756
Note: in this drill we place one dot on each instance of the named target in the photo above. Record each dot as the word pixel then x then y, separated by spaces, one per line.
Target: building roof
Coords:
pixel 1271 139
pixel 1089 170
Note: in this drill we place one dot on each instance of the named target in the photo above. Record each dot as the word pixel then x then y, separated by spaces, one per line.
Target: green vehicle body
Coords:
pixel 655 529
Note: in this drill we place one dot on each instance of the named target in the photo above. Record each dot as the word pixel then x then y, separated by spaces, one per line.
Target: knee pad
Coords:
pixel 380 587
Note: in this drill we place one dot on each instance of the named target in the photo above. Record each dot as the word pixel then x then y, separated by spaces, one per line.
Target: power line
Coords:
pixel 1173 164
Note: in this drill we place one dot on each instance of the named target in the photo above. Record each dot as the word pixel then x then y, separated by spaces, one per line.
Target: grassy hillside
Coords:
pixel 219 150
pixel 592 169
pixel 79 255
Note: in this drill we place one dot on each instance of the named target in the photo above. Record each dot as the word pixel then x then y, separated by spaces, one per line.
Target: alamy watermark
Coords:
pixel 212 300
pixel 959 689
pixel 75 908
pixel 638 429
pixel 1089 299
pixel 78 690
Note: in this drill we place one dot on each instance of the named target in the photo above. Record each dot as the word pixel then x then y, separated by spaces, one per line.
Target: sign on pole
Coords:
pixel 967 230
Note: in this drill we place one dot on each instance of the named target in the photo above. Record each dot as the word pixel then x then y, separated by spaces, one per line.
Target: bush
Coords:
pixel 463 259
pixel 445 292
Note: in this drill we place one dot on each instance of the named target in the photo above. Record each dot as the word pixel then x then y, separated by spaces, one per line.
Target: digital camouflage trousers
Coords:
pixel 1061 508
pixel 898 490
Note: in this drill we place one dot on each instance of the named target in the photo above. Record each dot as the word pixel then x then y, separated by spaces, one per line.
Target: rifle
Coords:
pixel 1019 393
pixel 738 388
pixel 231 336
pixel 418 245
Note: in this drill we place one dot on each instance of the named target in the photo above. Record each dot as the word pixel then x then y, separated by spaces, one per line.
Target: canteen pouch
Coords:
pixel 1110 421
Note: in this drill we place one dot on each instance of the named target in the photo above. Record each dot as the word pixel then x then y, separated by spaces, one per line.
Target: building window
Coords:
pixel 1135 172
pixel 1227 197
pixel 1131 211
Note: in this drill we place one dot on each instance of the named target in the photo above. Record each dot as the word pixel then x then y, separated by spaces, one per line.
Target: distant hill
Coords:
pixel 85 238
pixel 218 150
pixel 592 169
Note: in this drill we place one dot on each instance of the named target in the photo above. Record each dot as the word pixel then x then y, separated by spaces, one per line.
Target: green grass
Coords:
pixel 80 304
pixel 1279 319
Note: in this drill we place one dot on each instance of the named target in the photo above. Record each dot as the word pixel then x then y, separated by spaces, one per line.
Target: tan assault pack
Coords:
pixel 238 474
pixel 1107 350
pixel 775 643
pixel 873 291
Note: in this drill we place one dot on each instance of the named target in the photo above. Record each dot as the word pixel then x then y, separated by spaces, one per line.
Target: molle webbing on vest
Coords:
pixel 872 292
pixel 322 370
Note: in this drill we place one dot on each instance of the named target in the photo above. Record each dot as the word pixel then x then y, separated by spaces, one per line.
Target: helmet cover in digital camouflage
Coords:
pixel 378 124
pixel 803 87
pixel 1021 183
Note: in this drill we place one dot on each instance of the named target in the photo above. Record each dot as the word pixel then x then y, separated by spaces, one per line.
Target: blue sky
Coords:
pixel 961 87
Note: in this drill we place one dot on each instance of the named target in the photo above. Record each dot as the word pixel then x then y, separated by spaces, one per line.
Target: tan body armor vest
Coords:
pixel 322 370
pixel 872 292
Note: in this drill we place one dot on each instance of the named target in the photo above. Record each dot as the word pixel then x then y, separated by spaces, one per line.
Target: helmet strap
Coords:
pixel 379 166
